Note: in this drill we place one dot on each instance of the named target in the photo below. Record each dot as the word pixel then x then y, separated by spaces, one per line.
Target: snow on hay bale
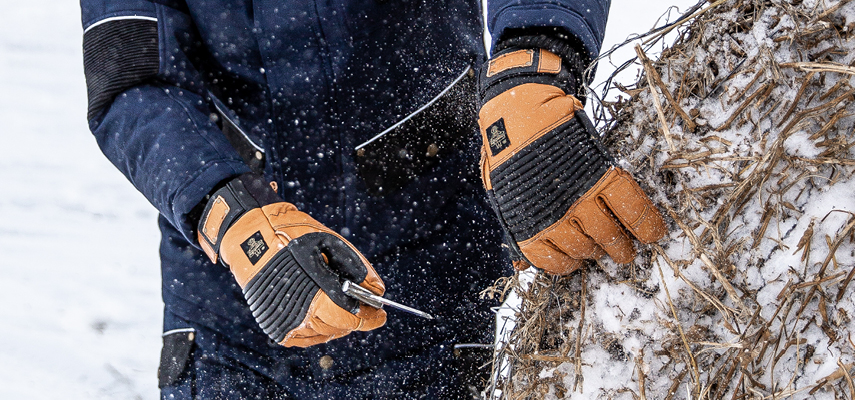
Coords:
pixel 741 132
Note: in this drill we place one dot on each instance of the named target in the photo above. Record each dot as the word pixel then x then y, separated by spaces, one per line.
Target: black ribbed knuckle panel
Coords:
pixel 280 295
pixel 266 300
pixel 118 55
pixel 536 187
pixel 291 317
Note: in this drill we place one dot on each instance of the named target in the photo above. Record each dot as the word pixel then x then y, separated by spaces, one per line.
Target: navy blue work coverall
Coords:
pixel 304 83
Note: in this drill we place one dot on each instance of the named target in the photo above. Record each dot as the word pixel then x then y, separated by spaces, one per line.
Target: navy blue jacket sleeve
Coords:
pixel 585 19
pixel 159 132
pixel 162 139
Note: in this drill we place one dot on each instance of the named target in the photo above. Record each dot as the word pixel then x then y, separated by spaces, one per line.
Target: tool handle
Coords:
pixel 364 295
pixel 360 293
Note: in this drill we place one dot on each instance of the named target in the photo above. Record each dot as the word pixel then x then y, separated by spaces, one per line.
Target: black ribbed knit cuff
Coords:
pixel 574 59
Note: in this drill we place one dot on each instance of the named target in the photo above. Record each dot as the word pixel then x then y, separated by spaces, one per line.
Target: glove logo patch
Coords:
pixel 254 247
pixel 497 136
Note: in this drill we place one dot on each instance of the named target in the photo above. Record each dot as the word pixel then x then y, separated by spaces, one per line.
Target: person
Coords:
pixel 291 146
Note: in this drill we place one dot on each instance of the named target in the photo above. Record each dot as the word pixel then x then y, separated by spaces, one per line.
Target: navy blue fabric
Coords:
pixel 442 274
pixel 95 11
pixel 214 372
pixel 221 370
pixel 309 81
pixel 585 19
pixel 162 138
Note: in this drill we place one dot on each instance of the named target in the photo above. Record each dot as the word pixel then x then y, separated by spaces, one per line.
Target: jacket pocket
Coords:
pixel 420 141
pixel 175 356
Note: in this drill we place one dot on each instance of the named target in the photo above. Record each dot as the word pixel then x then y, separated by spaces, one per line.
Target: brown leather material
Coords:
pixel 549 63
pixel 485 171
pixel 305 335
pixel 252 222
pixel 569 239
pixel 514 59
pixel 214 220
pixel 289 224
pixel 326 321
pixel 209 251
pixel 529 111
pixel 520 265
pixel 272 250
pixel 635 212
pixel 597 224
pixel 542 159
pixel 279 224
pixel 548 257
pixel 595 221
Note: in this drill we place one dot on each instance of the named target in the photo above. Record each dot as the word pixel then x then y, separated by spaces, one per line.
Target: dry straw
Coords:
pixel 708 131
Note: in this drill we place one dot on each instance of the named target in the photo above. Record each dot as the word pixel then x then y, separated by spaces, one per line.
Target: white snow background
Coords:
pixel 80 307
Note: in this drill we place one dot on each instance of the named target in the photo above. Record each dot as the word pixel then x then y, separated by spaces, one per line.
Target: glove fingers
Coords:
pixel 633 208
pixel 331 319
pixel 342 258
pixel 373 282
pixel 549 257
pixel 305 338
pixel 520 265
pixel 372 318
pixel 306 341
pixel 567 236
pixel 326 321
pixel 351 264
pixel 597 223
pixel 311 331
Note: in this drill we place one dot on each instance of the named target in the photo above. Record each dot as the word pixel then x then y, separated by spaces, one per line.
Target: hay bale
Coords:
pixel 741 132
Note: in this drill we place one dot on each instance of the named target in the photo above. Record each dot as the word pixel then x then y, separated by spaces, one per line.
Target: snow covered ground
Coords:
pixel 80 308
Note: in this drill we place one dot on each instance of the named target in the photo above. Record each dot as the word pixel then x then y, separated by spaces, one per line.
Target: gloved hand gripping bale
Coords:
pixel 290 267
pixel 556 191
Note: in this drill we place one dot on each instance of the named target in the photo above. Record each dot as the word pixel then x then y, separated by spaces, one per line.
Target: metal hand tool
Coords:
pixel 364 295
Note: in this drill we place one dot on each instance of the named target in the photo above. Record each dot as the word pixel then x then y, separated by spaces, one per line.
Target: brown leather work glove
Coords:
pixel 555 189
pixel 290 267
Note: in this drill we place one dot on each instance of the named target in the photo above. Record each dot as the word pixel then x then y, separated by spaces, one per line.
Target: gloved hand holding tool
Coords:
pixel 291 268
pixel 557 192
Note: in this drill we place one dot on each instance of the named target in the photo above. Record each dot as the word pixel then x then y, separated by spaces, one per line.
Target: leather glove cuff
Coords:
pixel 227 204
pixel 574 60
pixel 512 67
pixel 561 51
